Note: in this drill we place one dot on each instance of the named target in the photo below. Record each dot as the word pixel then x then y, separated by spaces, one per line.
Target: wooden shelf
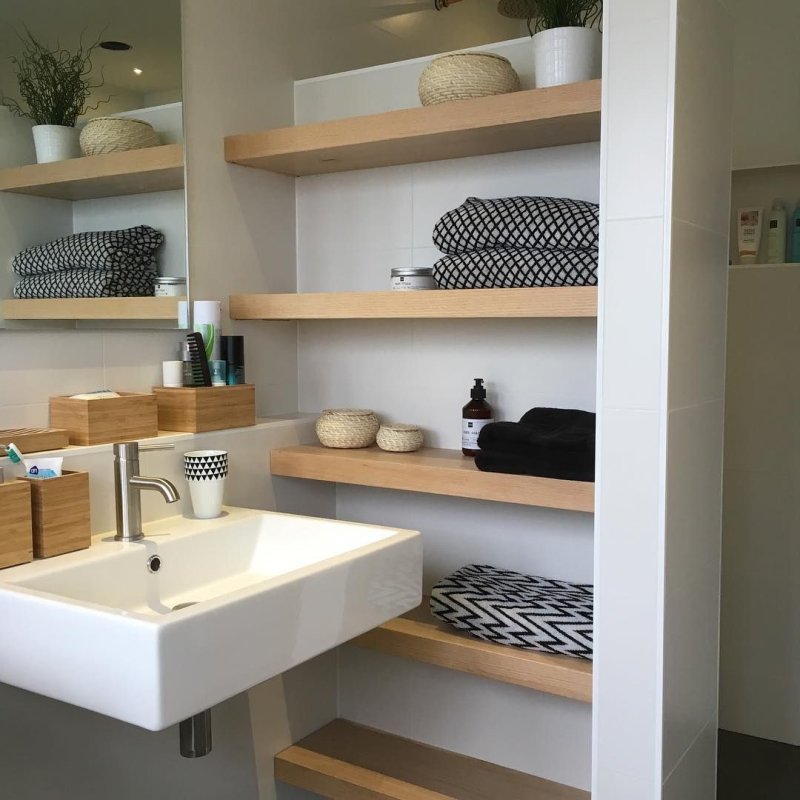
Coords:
pixel 151 169
pixel 345 761
pixel 93 308
pixel 431 471
pixel 559 301
pixel 535 118
pixel 421 637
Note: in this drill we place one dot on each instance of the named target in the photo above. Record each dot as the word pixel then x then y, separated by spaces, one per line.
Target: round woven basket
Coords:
pixel 347 427
pixel 399 438
pixel 113 134
pixel 462 75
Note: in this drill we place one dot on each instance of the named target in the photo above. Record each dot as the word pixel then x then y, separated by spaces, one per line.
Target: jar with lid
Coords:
pixel 168 286
pixel 406 279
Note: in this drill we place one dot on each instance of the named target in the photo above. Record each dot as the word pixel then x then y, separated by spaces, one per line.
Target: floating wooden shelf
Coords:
pixel 559 301
pixel 501 123
pixel 419 636
pixel 151 169
pixel 344 760
pixel 431 471
pixel 93 308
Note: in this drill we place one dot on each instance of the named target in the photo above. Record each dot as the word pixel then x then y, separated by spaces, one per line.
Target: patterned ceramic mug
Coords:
pixel 205 472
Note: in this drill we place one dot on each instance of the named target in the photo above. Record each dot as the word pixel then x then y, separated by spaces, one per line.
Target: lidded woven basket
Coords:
pixel 115 134
pixel 399 438
pixel 347 428
pixel 459 76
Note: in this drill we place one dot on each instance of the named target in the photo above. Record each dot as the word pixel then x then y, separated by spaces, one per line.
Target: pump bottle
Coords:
pixel 474 416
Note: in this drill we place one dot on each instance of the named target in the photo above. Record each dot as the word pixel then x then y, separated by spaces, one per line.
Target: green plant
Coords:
pixel 54 83
pixel 546 14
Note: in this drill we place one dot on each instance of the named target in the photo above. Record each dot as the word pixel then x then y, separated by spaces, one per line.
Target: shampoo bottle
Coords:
pixel 474 416
pixel 776 234
pixel 795 236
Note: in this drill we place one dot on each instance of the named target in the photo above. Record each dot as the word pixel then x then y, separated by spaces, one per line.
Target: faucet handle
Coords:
pixel 144 448
pixel 128 451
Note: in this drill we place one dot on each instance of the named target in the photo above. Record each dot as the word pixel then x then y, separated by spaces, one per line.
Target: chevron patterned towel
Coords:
pixel 524 611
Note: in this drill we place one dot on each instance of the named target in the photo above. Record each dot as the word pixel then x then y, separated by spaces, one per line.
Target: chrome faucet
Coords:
pixel 128 484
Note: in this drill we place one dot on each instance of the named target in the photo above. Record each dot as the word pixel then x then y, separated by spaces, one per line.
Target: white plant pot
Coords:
pixel 56 143
pixel 567 55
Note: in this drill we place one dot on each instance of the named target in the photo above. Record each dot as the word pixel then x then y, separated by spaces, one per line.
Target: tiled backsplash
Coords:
pixel 36 365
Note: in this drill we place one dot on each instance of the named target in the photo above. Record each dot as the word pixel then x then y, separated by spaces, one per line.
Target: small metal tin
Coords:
pixel 167 286
pixel 406 279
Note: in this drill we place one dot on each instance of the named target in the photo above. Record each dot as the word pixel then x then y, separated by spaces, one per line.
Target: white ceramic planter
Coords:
pixel 56 143
pixel 566 55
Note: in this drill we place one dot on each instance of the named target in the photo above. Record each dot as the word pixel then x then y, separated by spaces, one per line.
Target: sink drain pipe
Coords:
pixel 195 735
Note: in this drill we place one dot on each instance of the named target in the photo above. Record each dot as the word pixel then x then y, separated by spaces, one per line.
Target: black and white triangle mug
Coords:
pixel 205 472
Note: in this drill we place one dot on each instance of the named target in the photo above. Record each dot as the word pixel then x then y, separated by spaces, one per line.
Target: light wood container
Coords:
pixel 16 537
pixel 113 419
pixel 206 408
pixel 61 514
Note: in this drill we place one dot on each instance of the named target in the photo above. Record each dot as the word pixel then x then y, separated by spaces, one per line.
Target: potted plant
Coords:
pixel 54 88
pixel 567 42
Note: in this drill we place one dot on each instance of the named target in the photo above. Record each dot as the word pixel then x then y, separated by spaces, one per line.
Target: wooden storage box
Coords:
pixel 61 514
pixel 16 536
pixel 206 408
pixel 113 419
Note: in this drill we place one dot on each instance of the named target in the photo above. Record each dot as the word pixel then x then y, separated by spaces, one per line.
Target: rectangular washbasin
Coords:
pixel 155 631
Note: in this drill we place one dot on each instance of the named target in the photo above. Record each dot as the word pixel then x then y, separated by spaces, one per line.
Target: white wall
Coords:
pixel 662 330
pixel 352 228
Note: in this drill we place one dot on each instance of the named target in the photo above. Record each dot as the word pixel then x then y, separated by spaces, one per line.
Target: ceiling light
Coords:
pixel 137 71
pixel 114 45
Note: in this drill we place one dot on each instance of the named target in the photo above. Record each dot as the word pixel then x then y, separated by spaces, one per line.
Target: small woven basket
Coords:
pixel 399 438
pixel 114 134
pixel 462 75
pixel 347 428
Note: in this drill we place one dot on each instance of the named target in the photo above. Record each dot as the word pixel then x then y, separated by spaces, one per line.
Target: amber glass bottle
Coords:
pixel 474 416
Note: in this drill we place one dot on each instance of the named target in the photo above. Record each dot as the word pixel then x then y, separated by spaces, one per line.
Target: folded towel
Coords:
pixel 95 250
pixel 512 269
pixel 559 466
pixel 518 222
pixel 542 430
pixel 139 282
pixel 524 611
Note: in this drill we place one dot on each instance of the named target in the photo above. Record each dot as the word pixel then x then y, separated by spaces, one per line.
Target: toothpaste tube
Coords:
pixel 43 467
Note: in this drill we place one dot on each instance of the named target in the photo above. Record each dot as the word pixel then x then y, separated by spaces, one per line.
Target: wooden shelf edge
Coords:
pixel 345 760
pixel 88 308
pixel 432 643
pixel 429 471
pixel 558 115
pixel 147 169
pixel 550 302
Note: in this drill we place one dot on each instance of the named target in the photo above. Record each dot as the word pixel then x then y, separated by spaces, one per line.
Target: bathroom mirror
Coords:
pixel 100 174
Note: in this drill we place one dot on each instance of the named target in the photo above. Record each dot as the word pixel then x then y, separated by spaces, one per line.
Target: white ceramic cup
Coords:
pixel 172 373
pixel 566 55
pixel 205 472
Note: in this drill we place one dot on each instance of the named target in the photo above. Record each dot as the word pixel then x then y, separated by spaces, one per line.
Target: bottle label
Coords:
pixel 470 429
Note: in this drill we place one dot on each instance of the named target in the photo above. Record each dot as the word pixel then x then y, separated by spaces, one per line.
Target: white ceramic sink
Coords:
pixel 97 629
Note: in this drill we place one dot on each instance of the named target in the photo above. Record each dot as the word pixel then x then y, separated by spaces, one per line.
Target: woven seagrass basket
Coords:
pixel 347 428
pixel 462 75
pixel 399 438
pixel 114 134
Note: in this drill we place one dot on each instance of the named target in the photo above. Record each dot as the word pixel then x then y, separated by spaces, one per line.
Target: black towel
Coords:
pixel 547 442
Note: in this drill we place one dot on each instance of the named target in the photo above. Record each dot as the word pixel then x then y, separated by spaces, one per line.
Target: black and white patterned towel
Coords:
pixel 514 269
pixel 518 222
pixel 95 250
pixel 525 611
pixel 130 282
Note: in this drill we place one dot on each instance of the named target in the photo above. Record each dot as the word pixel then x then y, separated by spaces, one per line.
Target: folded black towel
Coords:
pixel 518 222
pixel 548 442
pixel 505 268
pixel 560 466
pixel 118 249
pixel 547 429
pixel 130 282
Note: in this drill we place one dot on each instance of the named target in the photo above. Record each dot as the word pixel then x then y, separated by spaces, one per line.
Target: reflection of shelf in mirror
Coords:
pixel 152 308
pixel 151 169
pixel 559 115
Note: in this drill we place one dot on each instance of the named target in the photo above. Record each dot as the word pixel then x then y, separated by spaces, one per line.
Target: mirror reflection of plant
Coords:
pixel 54 83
